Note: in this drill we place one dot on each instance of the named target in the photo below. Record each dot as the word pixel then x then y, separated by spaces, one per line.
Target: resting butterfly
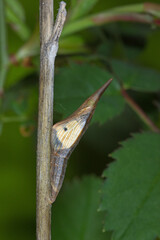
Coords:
pixel 65 136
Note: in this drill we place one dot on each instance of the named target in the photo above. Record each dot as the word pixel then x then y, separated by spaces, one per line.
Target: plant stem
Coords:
pixel 139 111
pixel 3 47
pixel 49 37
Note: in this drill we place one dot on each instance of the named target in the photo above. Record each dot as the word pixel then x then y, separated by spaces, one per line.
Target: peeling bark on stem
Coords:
pixel 49 37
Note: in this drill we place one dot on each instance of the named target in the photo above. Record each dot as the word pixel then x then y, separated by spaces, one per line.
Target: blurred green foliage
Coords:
pixel 132 189
pixel 101 39
pixel 86 222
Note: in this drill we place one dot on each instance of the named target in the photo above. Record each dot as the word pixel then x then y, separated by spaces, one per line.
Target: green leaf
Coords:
pixel 82 7
pixel 106 17
pixel 73 3
pixel 75 214
pixel 1 127
pixel 72 44
pixel 16 8
pixel 16 74
pixel 75 83
pixel 15 17
pixel 131 193
pixel 31 47
pixel 19 105
pixel 3 47
pixel 151 52
pixel 136 77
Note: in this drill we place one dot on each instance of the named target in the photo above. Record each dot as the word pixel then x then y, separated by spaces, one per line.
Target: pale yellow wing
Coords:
pixel 69 132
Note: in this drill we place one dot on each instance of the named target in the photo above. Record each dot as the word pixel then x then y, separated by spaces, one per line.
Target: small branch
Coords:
pixel 147 13
pixel 108 17
pixel 139 111
pixel 49 37
pixel 144 13
pixel 123 17
pixel 152 8
pixel 61 17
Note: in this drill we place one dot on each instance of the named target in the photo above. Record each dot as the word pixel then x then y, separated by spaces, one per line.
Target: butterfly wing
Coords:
pixel 64 139
pixel 66 135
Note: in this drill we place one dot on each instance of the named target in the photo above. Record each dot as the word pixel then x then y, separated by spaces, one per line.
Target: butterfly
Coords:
pixel 65 136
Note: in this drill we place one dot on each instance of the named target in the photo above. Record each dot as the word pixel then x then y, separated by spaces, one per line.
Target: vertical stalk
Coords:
pixel 49 37
pixel 3 47
pixel 45 119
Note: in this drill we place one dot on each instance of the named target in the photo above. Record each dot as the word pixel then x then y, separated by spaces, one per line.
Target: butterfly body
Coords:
pixel 65 137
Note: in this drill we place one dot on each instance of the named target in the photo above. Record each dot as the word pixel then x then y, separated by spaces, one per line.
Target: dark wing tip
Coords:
pixel 96 96
pixel 101 90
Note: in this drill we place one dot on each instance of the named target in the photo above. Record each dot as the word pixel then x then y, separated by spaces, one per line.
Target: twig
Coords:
pixel 144 13
pixel 139 111
pixel 49 37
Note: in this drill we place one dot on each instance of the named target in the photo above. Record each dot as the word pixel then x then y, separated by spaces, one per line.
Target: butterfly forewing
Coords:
pixel 69 132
